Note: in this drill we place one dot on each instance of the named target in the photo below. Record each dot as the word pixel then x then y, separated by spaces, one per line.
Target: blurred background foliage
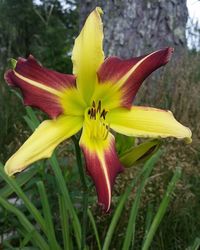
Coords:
pixel 47 30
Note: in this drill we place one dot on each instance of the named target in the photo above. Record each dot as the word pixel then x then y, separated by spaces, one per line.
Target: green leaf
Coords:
pixel 27 238
pixel 130 231
pixel 30 206
pixel 32 117
pixel 92 220
pixel 139 153
pixel 195 245
pixel 67 200
pixel 20 180
pixel 162 209
pixel 64 219
pixel 29 122
pixel 38 240
pixel 118 211
pixel 123 143
pixel 149 218
pixel 48 217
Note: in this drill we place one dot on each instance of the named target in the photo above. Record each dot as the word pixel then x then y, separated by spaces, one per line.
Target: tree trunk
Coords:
pixel 135 27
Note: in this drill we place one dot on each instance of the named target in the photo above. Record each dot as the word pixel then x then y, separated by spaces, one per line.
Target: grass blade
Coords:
pixel 20 180
pixel 149 218
pixel 29 205
pixel 64 224
pixel 123 199
pixel 32 117
pixel 29 122
pixel 67 200
pixel 195 245
pixel 27 238
pixel 92 220
pixel 130 232
pixel 38 240
pixel 162 209
pixel 48 217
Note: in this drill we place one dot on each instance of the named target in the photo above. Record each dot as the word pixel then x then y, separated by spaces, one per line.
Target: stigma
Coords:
pixel 95 120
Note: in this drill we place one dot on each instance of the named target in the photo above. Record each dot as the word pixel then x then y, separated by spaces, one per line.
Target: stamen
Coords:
pixel 97 125
pixel 103 114
pixel 91 113
pixel 99 107
pixel 93 104
pixel 94 114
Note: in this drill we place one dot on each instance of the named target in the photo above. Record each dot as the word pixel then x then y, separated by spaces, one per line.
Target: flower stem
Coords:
pixel 85 192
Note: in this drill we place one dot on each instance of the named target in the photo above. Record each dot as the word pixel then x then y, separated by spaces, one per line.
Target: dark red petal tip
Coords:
pixel 103 170
pixel 135 71
pixel 8 77
pixel 165 55
pixel 39 85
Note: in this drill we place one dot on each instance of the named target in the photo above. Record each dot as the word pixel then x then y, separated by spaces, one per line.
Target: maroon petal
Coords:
pixel 40 87
pixel 103 166
pixel 129 74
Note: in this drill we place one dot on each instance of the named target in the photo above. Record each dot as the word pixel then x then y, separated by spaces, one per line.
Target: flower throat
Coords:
pixel 96 121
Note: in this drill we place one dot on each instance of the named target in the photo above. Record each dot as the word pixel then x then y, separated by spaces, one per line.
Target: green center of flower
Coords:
pixel 95 118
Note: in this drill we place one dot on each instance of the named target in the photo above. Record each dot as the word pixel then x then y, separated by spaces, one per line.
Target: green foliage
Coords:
pixel 46 31
pixel 41 224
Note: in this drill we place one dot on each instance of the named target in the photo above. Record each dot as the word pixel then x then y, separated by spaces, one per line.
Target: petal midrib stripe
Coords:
pixel 130 72
pixel 38 85
pixel 104 169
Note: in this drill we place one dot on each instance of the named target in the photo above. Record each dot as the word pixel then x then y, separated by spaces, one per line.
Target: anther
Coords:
pixel 93 104
pixel 94 114
pixel 103 114
pixel 91 113
pixel 99 107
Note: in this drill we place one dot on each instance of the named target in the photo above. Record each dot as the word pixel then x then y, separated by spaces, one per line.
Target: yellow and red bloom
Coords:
pixel 97 99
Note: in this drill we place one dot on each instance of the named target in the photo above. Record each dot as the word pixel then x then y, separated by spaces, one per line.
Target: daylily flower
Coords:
pixel 97 99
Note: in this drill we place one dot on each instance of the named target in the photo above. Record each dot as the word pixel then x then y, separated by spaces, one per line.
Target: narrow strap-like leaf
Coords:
pixel 195 245
pixel 124 197
pixel 48 217
pixel 92 220
pixel 38 240
pixel 64 219
pixel 67 200
pixel 20 180
pixel 29 205
pixel 162 209
pixel 130 232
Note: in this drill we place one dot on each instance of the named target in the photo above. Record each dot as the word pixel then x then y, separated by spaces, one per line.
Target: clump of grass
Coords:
pixel 177 88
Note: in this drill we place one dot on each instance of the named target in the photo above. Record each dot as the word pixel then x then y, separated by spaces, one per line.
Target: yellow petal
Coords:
pixel 109 95
pixel 72 102
pixel 42 142
pixel 147 122
pixel 87 54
